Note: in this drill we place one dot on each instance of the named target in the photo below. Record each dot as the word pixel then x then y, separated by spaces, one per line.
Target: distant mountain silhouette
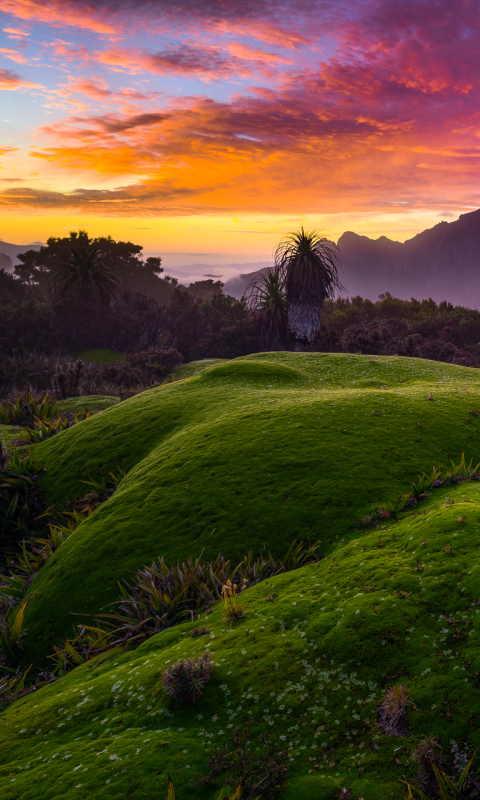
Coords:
pixel 9 252
pixel 442 262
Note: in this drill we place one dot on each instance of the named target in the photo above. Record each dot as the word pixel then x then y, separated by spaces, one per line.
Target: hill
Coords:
pixel 441 263
pixel 246 454
pixel 309 669
pixel 8 253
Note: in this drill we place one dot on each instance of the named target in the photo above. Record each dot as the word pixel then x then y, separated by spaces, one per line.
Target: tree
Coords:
pixel 205 290
pixel 125 259
pixel 267 302
pixel 87 273
pixel 153 264
pixel 308 264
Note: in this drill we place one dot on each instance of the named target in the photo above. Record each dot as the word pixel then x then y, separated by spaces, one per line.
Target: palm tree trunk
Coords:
pixel 304 320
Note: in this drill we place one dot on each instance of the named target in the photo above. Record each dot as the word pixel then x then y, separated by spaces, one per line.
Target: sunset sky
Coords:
pixel 209 128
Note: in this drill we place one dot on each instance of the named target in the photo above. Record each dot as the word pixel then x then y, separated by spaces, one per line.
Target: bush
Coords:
pixel 67 380
pixel 27 409
pixel 264 768
pixel 155 362
pixel 186 680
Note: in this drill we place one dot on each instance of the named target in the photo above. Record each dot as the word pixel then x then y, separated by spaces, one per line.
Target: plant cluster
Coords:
pixel 392 711
pixel 438 477
pixel 27 409
pixel 185 680
pixel 161 596
pixel 262 768
pixel 420 329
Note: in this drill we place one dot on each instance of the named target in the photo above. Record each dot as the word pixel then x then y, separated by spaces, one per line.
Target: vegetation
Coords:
pixel 340 668
pixel 324 680
pixel 308 263
pixel 85 273
pixel 185 680
pixel 267 302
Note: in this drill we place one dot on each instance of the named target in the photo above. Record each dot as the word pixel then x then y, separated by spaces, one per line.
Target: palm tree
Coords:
pixel 308 262
pixel 267 302
pixel 86 271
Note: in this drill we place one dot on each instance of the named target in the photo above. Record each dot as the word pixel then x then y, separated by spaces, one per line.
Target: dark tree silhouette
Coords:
pixel 267 302
pixel 308 262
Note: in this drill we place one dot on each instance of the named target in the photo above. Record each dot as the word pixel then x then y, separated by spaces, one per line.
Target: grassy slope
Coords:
pixel 251 452
pixel 310 669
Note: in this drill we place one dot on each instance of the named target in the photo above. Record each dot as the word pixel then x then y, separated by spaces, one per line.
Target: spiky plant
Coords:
pixel 308 262
pixel 427 754
pixel 392 710
pixel 26 409
pixel 87 271
pixel 186 680
pixel 267 302
pixel 232 609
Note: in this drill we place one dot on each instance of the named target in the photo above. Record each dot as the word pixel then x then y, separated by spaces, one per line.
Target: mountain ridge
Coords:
pixel 440 262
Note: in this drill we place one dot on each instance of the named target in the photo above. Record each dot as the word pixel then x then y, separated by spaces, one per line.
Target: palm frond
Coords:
pixel 267 302
pixel 87 270
pixel 308 262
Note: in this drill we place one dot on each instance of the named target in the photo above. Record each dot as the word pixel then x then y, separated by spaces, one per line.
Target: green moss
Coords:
pixel 93 403
pixel 250 453
pixel 99 356
pixel 310 669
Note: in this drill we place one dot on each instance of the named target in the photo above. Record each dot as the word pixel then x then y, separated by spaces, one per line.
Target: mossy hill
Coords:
pixel 247 454
pixel 310 669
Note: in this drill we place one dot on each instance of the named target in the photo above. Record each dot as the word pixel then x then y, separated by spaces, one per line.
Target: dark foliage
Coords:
pixel 21 499
pixel 267 303
pixel 26 409
pixel 243 763
pixel 427 753
pixel 308 263
pixel 67 379
pixel 185 680
pixel 39 336
pixel 205 290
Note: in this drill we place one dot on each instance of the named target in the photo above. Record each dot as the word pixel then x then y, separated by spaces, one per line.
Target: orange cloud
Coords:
pixel 58 13
pixel 10 80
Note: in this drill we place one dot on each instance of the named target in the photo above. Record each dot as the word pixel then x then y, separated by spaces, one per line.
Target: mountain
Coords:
pixel 442 262
pixel 9 252
pixel 237 285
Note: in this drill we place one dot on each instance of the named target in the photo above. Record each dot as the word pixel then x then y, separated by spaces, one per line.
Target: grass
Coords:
pixel 311 669
pixel 248 454
pixel 99 356
pixel 93 403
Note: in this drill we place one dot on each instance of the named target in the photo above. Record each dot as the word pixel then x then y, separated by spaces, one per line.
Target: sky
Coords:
pixel 207 129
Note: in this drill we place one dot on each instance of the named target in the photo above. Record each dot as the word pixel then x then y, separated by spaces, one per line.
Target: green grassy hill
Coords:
pixel 247 454
pixel 310 669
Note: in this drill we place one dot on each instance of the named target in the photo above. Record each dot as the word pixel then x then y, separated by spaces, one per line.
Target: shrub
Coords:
pixel 67 380
pixel 426 754
pixel 27 409
pixel 162 596
pixel 264 768
pixel 232 609
pixel 186 680
pixel 45 430
pixel 21 500
pixel 392 711
pixel 155 361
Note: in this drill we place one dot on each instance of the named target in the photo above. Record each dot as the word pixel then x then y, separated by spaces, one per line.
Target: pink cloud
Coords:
pixel 13 55
pixel 10 80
